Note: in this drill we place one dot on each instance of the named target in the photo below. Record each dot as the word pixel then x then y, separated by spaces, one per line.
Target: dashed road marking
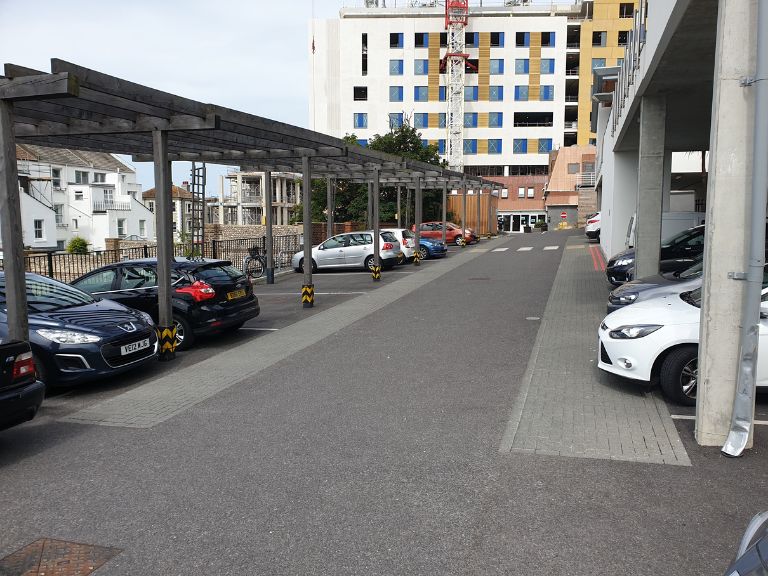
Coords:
pixel 551 247
pixel 260 329
pixel 525 248
pixel 500 249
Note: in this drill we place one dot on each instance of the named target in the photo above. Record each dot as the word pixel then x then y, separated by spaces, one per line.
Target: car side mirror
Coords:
pixel 321 247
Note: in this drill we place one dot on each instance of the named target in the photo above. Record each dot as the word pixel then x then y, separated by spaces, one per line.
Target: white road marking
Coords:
pixel 316 294
pixel 500 249
pixel 260 329
pixel 525 248
pixel 551 247
pixel 690 417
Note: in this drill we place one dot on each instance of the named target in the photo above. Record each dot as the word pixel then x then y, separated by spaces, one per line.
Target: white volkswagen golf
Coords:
pixel 659 337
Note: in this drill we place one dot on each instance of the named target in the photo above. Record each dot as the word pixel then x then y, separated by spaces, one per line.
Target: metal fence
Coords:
pixel 67 267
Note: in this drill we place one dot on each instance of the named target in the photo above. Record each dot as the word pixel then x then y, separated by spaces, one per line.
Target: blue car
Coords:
pixel 431 248
pixel 76 338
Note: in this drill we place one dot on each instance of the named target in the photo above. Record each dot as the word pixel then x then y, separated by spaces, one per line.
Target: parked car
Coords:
pixel 21 393
pixel 407 243
pixel 432 248
pixel 660 337
pixel 75 338
pixel 351 250
pixel 209 296
pixel 452 232
pixel 677 253
pixel 592 229
pixel 752 554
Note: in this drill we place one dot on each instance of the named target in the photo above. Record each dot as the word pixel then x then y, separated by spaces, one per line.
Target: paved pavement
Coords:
pixel 371 444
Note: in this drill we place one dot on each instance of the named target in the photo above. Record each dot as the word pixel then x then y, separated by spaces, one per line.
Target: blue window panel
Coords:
pixel 501 39
pixel 496 93
pixel 420 93
pixel 424 143
pixel 441 146
pixel 421 67
pixel 441 93
pixel 494 146
pixel 441 120
pixel 363 143
pixel 395 67
pixel 520 146
pixel 470 119
pixel 547 65
pixel 521 65
pixel 472 39
pixel 399 43
pixel 497 66
pixel 521 93
pixel 421 120
pixel 395 93
pixel 547 93
pixel 598 63
pixel 470 93
pixel 495 119
pixel 470 146
pixel 395 119
pixel 361 120
pixel 545 145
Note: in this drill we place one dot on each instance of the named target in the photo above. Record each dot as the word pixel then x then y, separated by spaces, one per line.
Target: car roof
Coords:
pixel 179 263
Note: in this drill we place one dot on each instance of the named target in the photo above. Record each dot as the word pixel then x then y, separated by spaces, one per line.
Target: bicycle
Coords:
pixel 255 263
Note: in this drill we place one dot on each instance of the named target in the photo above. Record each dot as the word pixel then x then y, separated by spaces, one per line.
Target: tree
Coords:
pixel 77 245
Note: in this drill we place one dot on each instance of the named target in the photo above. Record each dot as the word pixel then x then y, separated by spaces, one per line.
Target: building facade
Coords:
pixel 181 208
pixel 244 205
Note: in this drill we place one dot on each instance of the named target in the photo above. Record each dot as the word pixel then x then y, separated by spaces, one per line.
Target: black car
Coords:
pixel 677 254
pixel 21 393
pixel 752 554
pixel 208 296
pixel 75 338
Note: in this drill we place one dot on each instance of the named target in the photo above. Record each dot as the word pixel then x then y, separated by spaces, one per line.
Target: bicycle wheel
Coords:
pixel 254 268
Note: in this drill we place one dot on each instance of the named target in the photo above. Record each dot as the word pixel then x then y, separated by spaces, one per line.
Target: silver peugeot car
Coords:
pixel 351 250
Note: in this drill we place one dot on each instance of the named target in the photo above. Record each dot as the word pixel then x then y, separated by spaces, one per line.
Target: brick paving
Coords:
pixel 567 406
pixel 48 557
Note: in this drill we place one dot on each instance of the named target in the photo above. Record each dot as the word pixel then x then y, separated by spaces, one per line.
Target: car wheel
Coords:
pixel 679 375
pixel 423 252
pixel 369 263
pixel 184 335
pixel 301 266
pixel 458 240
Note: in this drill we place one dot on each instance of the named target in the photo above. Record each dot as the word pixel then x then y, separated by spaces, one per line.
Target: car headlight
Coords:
pixel 146 317
pixel 624 261
pixel 631 332
pixel 68 336
pixel 622 298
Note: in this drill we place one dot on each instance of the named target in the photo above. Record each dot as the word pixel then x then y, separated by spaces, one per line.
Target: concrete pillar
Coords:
pixel 221 199
pixel 667 184
pixel 650 183
pixel 239 199
pixel 729 195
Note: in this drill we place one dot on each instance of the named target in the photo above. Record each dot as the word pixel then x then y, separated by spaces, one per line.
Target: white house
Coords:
pixel 181 210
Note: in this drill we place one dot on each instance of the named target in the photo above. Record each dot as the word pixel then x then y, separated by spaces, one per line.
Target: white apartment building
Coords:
pixel 375 67
pixel 181 208
pixel 68 193
pixel 244 204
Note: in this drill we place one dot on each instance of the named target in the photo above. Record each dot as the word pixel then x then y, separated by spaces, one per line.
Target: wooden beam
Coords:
pixel 73 127
pixel 39 87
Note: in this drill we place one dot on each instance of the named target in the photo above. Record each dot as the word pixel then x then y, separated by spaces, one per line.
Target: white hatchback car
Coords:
pixel 351 250
pixel 407 242
pixel 660 337
pixel 592 229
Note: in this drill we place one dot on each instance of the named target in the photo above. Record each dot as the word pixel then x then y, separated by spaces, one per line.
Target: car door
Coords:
pixel 762 343
pixel 137 288
pixel 360 245
pixel 99 283
pixel 331 252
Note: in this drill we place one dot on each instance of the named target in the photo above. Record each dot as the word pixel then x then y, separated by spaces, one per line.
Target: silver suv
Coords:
pixel 351 250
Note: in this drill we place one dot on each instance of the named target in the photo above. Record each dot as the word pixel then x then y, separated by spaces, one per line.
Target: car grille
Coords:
pixel 604 358
pixel 111 351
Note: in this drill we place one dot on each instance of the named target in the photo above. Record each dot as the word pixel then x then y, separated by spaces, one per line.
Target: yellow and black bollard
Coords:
pixel 166 337
pixel 417 257
pixel 376 272
pixel 308 295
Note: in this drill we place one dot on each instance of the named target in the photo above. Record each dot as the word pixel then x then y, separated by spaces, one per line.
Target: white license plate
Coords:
pixel 134 347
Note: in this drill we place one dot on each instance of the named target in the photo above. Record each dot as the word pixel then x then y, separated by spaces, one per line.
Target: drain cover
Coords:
pixel 47 557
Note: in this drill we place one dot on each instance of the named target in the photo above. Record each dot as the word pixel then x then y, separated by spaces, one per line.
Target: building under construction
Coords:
pixel 244 203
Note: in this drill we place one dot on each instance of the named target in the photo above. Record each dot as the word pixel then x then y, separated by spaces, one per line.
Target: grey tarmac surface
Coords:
pixel 374 450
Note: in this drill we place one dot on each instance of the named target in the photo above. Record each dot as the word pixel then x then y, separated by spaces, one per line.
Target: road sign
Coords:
pixel 563 215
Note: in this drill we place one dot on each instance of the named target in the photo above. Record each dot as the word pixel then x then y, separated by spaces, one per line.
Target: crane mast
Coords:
pixel 456 18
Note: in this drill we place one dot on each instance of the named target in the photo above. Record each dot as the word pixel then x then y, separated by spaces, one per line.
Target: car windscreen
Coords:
pixel 388 237
pixel 219 274
pixel 695 270
pixel 681 237
pixel 693 297
pixel 45 294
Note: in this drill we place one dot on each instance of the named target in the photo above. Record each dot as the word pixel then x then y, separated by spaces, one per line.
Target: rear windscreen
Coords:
pixel 219 274
pixel 388 237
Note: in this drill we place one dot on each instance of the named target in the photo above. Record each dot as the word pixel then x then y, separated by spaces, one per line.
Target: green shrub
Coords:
pixel 77 245
pixel 540 224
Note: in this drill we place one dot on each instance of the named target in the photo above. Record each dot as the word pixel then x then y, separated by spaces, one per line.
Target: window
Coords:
pixel 547 65
pixel 360 120
pixel 174 226
pixel 395 93
pixel 363 143
pixel 74 223
pixel 522 39
pixel 619 62
pixel 395 67
pixel 137 277
pixel 360 93
pixel 545 145
pixel 497 66
pixel 441 93
pixel 38 229
pixel 421 120
pixel 99 177
pixel 471 66
pixel 623 37
pixel 531 192
pixel 364 54
pixel 396 40
pixel 470 146
pixel 521 66
pixel 598 63
pixel 471 39
pixel 496 93
pixel 420 93
pixel 443 39
pixel 521 192
pixel 151 206
pixel 495 119
pixel 173 207
pixel 573 168
pixel 81 177
pixel 494 146
pixel 421 67
pixel 109 196
pixel 626 9
pixel 520 146
pixel 588 167
pixel 188 207
pixel 521 93
pixel 59 244
pixel 56 177
pixel 441 146
pixel 504 193
pixel 78 194
pixel 143 228
pixel 547 39
pixel 598 38
pixel 121 227
pixel 470 93
pixel 424 143
pixel 101 281
pixel 395 119
pixel 58 210
pixel 547 93
pixel 441 120
pixel 421 40
pixel 470 119
pixel 497 39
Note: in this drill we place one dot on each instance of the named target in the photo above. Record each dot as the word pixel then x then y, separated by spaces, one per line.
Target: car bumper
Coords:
pixel 592 234
pixel 20 404
pixel 211 319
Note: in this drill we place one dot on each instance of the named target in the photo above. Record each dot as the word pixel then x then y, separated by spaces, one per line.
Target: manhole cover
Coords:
pixel 47 557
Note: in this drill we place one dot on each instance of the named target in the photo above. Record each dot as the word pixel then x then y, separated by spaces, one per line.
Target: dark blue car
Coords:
pixel 431 248
pixel 76 338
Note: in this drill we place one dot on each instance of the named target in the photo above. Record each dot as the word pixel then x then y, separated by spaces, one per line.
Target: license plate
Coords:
pixel 134 346
pixel 236 294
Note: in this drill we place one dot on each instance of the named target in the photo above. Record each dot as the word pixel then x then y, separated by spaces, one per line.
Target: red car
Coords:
pixel 452 232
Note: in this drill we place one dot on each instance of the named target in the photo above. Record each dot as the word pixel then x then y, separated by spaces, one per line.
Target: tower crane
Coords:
pixel 456 18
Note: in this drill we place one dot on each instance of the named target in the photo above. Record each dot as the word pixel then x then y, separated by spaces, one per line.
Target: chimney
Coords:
pixel 185 185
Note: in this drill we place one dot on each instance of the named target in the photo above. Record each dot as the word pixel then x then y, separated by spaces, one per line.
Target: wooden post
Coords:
pixel 479 223
pixel 376 272
pixel 10 229
pixel 445 208
pixel 266 205
pixel 329 207
pixel 165 325
pixel 417 224
pixel 399 216
pixel 464 215
pixel 308 289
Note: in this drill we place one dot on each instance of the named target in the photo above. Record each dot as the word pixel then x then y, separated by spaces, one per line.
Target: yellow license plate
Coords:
pixel 236 294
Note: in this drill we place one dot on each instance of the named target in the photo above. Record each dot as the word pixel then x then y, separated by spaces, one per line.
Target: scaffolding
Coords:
pixel 456 18
pixel 197 188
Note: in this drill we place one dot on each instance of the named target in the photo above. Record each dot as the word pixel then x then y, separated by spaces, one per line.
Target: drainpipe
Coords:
pixel 744 401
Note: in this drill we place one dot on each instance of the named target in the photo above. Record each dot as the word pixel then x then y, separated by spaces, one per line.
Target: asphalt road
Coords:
pixel 374 451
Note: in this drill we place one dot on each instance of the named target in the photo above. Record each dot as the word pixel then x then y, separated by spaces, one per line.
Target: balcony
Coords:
pixel 571 126
pixel 104 205
pixel 569 99
pixel 574 71
pixel 585 180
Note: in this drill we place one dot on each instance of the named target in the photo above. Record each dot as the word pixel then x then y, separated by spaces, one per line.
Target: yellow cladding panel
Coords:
pixel 434 120
pixel 484 67
pixel 533 146
pixel 482 146
pixel 434 67
pixel 534 66
pixel 433 142
pixel 482 120
pixel 534 92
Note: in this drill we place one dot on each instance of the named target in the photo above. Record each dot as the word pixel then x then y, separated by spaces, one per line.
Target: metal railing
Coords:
pixel 104 205
pixel 585 180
